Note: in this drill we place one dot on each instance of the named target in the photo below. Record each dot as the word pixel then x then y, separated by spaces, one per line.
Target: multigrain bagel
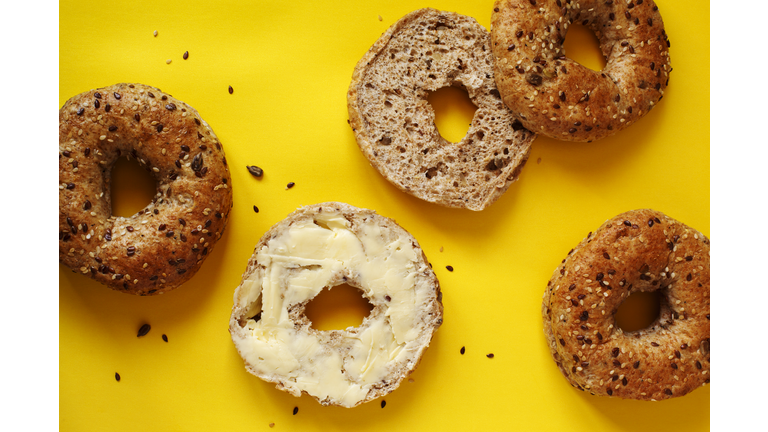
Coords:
pixel 163 245
pixel 557 97
pixel 395 125
pixel 641 250
pixel 318 247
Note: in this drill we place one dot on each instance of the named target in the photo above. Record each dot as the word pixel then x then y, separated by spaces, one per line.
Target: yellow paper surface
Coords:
pixel 290 65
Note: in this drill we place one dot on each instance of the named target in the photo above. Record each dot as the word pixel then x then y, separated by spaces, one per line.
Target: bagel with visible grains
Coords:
pixel 394 125
pixel 315 248
pixel 556 96
pixel 163 245
pixel 641 250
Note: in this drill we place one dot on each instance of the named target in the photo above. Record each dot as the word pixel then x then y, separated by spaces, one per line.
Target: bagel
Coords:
pixel 163 245
pixel 556 96
pixel 394 125
pixel 318 247
pixel 641 250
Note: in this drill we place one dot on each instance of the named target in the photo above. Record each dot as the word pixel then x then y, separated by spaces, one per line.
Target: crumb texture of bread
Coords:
pixel 316 248
pixel 164 244
pixel 637 251
pixel 554 95
pixel 394 124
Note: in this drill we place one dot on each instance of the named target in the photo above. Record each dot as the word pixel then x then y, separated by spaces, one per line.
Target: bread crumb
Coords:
pixel 441 248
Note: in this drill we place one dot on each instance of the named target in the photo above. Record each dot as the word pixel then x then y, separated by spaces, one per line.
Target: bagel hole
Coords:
pixel 454 112
pixel 639 311
pixel 132 187
pixel 337 308
pixel 582 46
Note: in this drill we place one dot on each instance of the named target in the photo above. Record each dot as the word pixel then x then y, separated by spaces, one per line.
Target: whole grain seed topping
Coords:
pixel 117 377
pixel 186 55
pixel 295 410
pixel 231 90
pixel 490 356
pixel 255 171
pixel 449 268
pixel 144 330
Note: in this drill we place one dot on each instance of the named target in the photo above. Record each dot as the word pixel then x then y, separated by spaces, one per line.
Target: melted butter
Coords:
pixel 298 264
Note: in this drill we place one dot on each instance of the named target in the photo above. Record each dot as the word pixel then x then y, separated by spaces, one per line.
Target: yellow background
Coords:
pixel 290 65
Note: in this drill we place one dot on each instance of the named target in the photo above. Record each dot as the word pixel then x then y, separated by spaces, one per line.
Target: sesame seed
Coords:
pixel 186 55
pixel 231 90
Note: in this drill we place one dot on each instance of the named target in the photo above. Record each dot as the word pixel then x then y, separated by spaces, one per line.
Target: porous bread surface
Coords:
pixel 640 250
pixel 555 96
pixel 248 308
pixel 164 244
pixel 395 125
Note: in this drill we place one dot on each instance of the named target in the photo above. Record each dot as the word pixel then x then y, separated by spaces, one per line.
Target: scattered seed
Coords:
pixel 449 268
pixel 155 33
pixel 383 403
pixel 271 425
pixel 255 209
pixel 168 61
pixel 462 351
pixel 165 338
pixel 489 355
pixel 231 90
pixel 290 185
pixel 255 171
pixel 295 410
pixel 117 377
pixel 144 330
pixel 186 55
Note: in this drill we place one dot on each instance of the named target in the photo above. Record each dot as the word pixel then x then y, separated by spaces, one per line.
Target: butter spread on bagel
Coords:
pixel 294 265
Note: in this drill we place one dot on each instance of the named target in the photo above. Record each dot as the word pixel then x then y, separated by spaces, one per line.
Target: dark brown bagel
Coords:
pixel 641 250
pixel 163 245
pixel 557 97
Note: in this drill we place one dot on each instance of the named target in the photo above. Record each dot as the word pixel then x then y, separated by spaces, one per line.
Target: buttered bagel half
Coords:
pixel 315 248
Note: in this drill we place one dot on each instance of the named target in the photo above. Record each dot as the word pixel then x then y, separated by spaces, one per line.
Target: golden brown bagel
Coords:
pixel 557 97
pixel 641 250
pixel 163 245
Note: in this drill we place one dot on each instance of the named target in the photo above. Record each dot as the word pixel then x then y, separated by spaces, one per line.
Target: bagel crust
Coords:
pixel 641 250
pixel 315 248
pixel 394 124
pixel 163 245
pixel 557 97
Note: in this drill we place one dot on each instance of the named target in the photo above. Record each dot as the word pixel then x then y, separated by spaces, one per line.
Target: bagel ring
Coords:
pixel 641 250
pixel 163 245
pixel 557 97
pixel 319 247
pixel 394 124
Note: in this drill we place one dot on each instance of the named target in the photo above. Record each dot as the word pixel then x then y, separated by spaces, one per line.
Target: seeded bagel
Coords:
pixel 395 125
pixel 164 244
pixel 316 248
pixel 638 251
pixel 556 96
